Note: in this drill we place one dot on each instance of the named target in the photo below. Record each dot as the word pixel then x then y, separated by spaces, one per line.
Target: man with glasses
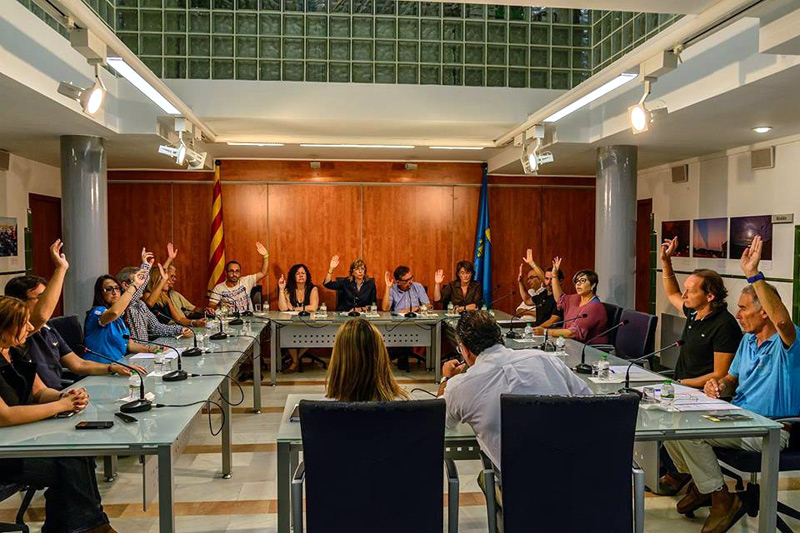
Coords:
pixel 403 294
pixel 235 290
pixel 537 300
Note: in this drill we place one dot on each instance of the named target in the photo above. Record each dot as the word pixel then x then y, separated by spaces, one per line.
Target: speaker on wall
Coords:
pixel 762 159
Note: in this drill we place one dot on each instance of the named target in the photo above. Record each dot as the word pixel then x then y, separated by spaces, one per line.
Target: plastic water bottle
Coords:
pixel 158 363
pixel 603 367
pixel 528 333
pixel 484 308
pixel 323 310
pixel 560 347
pixel 667 393
pixel 133 387
pixel 450 308
pixel 265 307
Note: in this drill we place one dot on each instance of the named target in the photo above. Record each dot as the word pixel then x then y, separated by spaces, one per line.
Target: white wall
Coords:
pixel 23 176
pixel 722 185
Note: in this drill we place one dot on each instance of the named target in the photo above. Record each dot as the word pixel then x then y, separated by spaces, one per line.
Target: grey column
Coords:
pixel 84 217
pixel 615 224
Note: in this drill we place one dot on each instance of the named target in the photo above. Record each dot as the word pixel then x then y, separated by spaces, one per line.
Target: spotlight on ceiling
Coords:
pixel 197 160
pixel 762 129
pixel 177 152
pixel 91 99
pixel 640 116
pixel 533 158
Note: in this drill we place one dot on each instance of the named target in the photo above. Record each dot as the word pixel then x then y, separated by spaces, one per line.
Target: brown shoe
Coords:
pixel 726 509
pixel 693 500
pixel 671 483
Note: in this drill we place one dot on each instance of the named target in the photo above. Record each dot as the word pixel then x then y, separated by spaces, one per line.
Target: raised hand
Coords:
pixel 162 271
pixel 172 252
pixel 334 262
pixel 520 272
pixel 438 277
pixel 262 250
pixel 282 283
pixel 556 265
pixel 147 257
pixel 529 257
pixel 752 256
pixel 139 278
pixel 668 248
pixel 387 278
pixel 58 257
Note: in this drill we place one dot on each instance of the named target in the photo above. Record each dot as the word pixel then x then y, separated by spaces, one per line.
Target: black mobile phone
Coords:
pixel 65 414
pixel 128 419
pixel 94 424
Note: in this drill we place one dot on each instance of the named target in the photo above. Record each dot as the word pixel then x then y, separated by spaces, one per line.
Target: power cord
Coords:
pixel 208 406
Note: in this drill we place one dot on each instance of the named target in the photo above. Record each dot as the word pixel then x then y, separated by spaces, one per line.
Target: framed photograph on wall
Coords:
pixel 680 229
pixel 743 229
pixel 710 238
pixel 8 237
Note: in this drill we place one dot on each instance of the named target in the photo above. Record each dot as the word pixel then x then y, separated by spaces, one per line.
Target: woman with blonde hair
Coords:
pixel 360 370
pixel 356 292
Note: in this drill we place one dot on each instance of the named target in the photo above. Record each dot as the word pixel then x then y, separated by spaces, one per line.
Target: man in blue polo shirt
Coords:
pixel 764 378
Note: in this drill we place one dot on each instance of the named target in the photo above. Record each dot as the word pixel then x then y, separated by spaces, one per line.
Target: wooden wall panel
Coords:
pixel 568 229
pixel 515 219
pixel 244 210
pixel 139 215
pixel 309 224
pixel 191 212
pixel 410 225
pixel 465 220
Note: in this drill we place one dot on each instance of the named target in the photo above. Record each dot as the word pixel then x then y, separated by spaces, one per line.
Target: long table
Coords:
pixel 157 431
pixel 460 442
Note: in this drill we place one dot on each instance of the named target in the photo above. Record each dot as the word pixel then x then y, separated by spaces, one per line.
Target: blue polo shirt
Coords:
pixel 769 376
pixel 107 340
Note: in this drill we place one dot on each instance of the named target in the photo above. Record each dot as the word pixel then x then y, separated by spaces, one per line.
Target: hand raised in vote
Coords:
pixel 752 256
pixel 148 257
pixel 162 271
pixel 262 250
pixel 59 259
pixel 282 283
pixel 556 265
pixel 172 252
pixel 387 278
pixel 438 277
pixel 139 278
pixel 668 248
pixel 334 262
pixel 529 258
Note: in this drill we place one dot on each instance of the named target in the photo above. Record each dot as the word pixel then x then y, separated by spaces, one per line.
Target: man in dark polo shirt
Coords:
pixel 45 346
pixel 537 299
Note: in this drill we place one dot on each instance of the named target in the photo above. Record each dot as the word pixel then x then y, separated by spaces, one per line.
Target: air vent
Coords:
pixel 762 159
pixel 680 174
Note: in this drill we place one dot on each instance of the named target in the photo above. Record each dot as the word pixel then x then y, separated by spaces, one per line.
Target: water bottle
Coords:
pixel 323 309
pixel 450 308
pixel 667 393
pixel 265 307
pixel 158 363
pixel 133 387
pixel 561 350
pixel 603 367
pixel 528 334
pixel 484 308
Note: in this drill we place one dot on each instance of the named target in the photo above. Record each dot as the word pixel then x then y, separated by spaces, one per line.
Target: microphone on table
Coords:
pixel 188 352
pixel 561 323
pixel 175 375
pixel 353 311
pixel 511 333
pixel 411 313
pixel 237 321
pixel 501 298
pixel 627 386
pixel 583 368
pixel 135 406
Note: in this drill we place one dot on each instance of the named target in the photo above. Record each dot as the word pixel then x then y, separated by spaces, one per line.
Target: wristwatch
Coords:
pixel 757 277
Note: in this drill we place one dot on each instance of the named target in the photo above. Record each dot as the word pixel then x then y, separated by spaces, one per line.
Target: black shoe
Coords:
pixel 402 363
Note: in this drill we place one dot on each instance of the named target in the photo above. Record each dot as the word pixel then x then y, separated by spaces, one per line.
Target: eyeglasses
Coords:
pixel 409 280
pixel 109 290
pixel 581 280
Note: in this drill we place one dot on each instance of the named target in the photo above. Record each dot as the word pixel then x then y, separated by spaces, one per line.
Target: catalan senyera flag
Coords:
pixel 216 253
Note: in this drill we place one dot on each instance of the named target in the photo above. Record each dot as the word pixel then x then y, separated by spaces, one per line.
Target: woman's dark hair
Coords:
pixel 478 330
pixel 99 301
pixel 712 284
pixel 591 275
pixel 291 282
pixel 18 287
pixel 466 265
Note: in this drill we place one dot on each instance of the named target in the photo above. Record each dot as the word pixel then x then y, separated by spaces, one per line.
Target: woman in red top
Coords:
pixel 585 301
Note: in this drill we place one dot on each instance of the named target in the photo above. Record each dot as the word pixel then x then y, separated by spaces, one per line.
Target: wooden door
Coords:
pixel 45 229
pixel 644 209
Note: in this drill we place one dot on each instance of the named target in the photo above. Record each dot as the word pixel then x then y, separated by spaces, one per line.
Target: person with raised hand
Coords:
pixel 44 345
pixel 764 378
pixel 402 293
pixel 157 297
pixel 537 299
pixel 235 290
pixel 465 293
pixel 356 291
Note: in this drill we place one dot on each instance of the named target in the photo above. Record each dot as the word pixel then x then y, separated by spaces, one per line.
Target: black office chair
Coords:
pixel 69 327
pixel 257 295
pixel 7 490
pixel 556 441
pixel 614 313
pixel 750 462
pixel 355 469
pixel 638 338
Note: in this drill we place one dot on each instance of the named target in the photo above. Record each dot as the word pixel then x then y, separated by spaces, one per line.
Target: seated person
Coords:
pixel 403 294
pixel 45 346
pixel 360 370
pixel 585 301
pixel 157 298
pixel 235 290
pixel 72 499
pixel 764 378
pixel 473 397
pixel 464 293
pixel 356 291
pixel 105 329
pixel 538 301
pixel 297 294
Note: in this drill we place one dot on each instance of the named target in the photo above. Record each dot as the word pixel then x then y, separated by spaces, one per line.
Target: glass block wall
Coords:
pixel 104 8
pixel 615 33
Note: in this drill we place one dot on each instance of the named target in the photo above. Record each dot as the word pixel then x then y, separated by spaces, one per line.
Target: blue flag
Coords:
pixel 483 241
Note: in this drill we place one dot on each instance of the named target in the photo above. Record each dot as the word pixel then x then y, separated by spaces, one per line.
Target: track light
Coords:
pixel 532 158
pixel 91 99
pixel 640 115
pixel 176 152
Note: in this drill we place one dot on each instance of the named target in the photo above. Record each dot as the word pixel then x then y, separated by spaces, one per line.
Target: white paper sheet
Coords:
pixel 168 354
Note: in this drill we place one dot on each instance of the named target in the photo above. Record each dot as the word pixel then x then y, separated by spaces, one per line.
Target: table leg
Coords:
pixel 257 375
pixel 294 459
pixel 284 487
pixel 437 352
pixel 227 454
pixel 768 505
pixel 166 484
pixel 273 353
pixel 110 467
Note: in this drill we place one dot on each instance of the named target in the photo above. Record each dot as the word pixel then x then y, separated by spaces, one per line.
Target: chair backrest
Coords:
pixel 256 294
pixel 613 312
pixel 551 445
pixel 69 327
pixel 339 298
pixel 359 474
pixel 638 338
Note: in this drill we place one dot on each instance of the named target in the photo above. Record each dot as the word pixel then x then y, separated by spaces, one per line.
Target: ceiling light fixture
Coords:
pixel 640 116
pixel 456 147
pixel 532 158
pixel 253 144
pixel 178 152
pixel 762 129
pixel 601 91
pixel 91 99
pixel 356 146
pixel 125 70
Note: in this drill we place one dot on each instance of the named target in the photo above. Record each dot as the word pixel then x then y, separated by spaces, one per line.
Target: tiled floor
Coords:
pixel 246 502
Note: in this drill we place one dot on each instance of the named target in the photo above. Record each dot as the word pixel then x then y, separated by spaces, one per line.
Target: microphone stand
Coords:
pixel 304 313
pixel 583 368
pixel 135 406
pixel 175 375
pixel 188 352
pixel 353 311
pixel 627 387
pixel 411 313
pixel 560 323
pixel 220 335
pixel 236 321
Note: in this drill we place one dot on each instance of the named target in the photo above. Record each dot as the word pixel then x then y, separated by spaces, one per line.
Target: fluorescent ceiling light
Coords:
pixel 132 76
pixel 456 147
pixel 253 144
pixel 355 146
pixel 601 91
pixel 763 129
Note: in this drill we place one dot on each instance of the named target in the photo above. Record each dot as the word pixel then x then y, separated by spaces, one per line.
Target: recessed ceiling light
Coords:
pixel 763 129
pixel 253 144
